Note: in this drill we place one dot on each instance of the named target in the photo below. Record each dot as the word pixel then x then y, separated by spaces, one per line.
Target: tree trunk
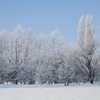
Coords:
pixel 16 81
pixel 41 83
pixel 91 78
pixel 31 82
pixel 65 83
pixel 91 81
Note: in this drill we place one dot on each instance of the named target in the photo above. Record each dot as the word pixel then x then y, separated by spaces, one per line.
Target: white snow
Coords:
pixel 50 92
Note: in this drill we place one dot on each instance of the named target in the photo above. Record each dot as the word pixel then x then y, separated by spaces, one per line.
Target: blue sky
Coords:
pixel 44 15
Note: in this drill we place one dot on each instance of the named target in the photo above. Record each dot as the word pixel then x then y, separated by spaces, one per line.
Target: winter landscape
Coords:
pixel 45 66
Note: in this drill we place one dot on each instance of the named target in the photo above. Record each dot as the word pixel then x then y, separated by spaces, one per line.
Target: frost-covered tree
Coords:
pixel 54 45
pixel 20 53
pixel 3 62
pixel 87 58
pixel 40 60
pixel 15 49
pixel 66 69
pixel 27 58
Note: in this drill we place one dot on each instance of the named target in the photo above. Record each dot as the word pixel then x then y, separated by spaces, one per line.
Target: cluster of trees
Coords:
pixel 29 59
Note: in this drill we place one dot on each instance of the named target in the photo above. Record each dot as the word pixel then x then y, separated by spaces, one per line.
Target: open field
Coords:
pixel 50 92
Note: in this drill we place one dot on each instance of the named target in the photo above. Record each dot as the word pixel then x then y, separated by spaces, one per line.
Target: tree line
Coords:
pixel 29 59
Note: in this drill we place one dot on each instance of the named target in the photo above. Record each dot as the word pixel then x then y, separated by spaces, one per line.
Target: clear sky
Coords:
pixel 44 15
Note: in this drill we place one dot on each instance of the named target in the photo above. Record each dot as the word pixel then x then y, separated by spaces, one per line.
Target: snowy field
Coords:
pixel 50 92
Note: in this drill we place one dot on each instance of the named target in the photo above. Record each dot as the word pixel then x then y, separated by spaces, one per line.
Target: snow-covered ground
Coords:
pixel 50 92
